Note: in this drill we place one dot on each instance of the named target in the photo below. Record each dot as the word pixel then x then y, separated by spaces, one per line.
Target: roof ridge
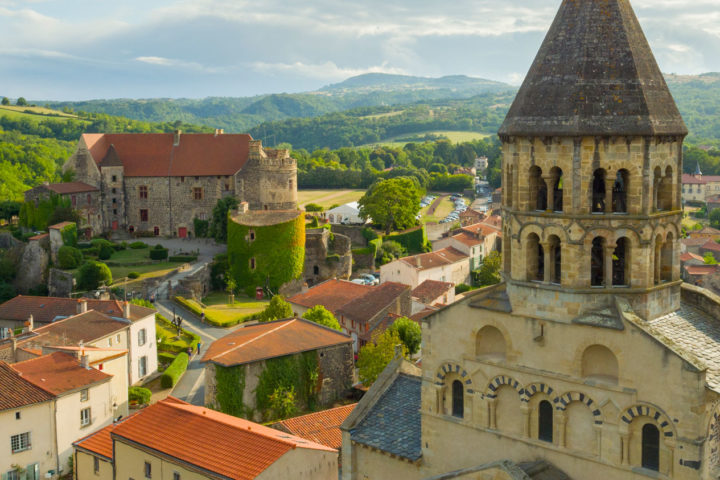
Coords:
pixel 256 338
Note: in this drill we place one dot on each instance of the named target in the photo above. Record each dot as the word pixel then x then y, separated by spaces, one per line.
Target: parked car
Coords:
pixel 359 281
pixel 369 279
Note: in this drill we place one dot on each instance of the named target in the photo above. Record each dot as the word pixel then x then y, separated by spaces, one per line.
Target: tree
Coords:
pixel 276 310
pixel 63 214
pixel 322 316
pixel 715 217
pixel 393 203
pixel 409 332
pixel 218 223
pixel 489 272
pixel 92 274
pixel 374 357
pixel 21 102
pixel 6 101
pixel 709 259
pixel 313 207
pixel 391 250
pixel 69 257
pixel 282 403
pixel 7 291
pixel 230 286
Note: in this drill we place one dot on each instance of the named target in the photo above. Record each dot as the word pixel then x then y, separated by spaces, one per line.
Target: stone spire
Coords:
pixel 698 172
pixel 594 75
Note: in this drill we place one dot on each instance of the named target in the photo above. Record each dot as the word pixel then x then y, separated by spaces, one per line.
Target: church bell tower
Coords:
pixel 592 168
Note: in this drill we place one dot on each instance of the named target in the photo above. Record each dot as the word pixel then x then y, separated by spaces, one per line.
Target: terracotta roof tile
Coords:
pixel 702 180
pixel 468 239
pixel 430 290
pixel 39 237
pixel 153 154
pixel 445 256
pixel 270 340
pixel 686 257
pixel 321 427
pixel 70 187
pixel 17 391
pixel 693 242
pixel 59 373
pixel 711 245
pixel 698 270
pixel 232 447
pixel 333 294
pixel 100 442
pixel 364 308
pixel 61 225
pixel 484 228
pixel 48 309
pixel 422 314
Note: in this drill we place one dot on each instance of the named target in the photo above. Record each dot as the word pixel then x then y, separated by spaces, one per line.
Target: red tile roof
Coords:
pixel 439 258
pixel 705 231
pixel 485 228
pixel 467 239
pixel 711 245
pixel 422 314
pixel 47 309
pixel 70 187
pixel 430 290
pixel 702 179
pixel 365 308
pixel 39 237
pixel 333 294
pixel 100 442
pixel 270 340
pixel 153 154
pixel 60 226
pixel 686 257
pixel 700 270
pixel 321 427
pixel 494 220
pixel 17 391
pixel 228 446
pixel 59 373
pixel 693 242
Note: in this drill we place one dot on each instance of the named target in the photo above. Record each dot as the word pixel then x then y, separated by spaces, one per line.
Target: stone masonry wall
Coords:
pixel 336 365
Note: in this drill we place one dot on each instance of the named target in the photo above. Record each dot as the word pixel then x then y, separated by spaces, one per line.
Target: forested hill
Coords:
pixel 240 114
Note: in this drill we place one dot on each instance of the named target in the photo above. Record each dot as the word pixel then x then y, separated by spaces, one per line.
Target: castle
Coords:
pixel 159 183
pixel 592 360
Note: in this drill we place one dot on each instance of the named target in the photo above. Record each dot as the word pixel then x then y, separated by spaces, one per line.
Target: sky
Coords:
pixel 85 49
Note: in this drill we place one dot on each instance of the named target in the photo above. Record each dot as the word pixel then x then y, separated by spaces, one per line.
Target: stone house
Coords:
pixel 250 349
pixel 94 323
pixel 445 265
pixel 433 293
pixel 470 217
pixel 476 241
pixel 592 355
pixel 159 183
pixel 47 403
pixel 82 197
pixel 327 255
pixel 172 439
pixel 697 188
pixel 332 294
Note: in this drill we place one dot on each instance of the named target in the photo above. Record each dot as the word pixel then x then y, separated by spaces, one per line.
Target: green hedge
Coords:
pixel 138 245
pixel 176 369
pixel 166 357
pixel 69 257
pixel 211 319
pixel 158 253
pixel 414 240
pixel 139 395
pixel 278 250
pixel 105 252
pixel 69 235
pixel 183 258
pixel 167 331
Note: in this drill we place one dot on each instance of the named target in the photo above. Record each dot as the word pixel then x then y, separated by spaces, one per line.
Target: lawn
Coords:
pixel 145 271
pixel 419 137
pixel 219 313
pixel 443 210
pixel 328 198
pixel 130 255
pixel 41 113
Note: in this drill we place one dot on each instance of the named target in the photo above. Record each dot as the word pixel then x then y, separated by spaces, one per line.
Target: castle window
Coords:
pixel 114 201
pixel 114 211
pixel 557 198
pixel 227 187
pixel 545 421
pixel 556 256
pixel 316 270
pixel 252 264
pixel 182 179
pixel 598 191
pixel 89 199
pixel 458 402
pixel 597 262
pixel 651 447
pixel 156 231
pixel 114 178
pixel 666 266
pixel 197 178
pixel 114 190
pixel 73 199
pixel 252 235
pixel 490 344
pixel 620 189
pixel 621 263
pixel 143 191
pixel 538 189
pixel 143 215
pixel 535 259
pixel 197 193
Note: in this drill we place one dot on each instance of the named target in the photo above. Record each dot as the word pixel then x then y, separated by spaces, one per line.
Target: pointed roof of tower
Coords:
pixel 698 172
pixel 594 75
pixel 111 158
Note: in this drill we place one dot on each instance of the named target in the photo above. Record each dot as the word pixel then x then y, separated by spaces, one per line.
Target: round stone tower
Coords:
pixel 592 167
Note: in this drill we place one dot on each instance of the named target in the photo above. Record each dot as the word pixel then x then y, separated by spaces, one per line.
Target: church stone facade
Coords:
pixel 159 183
pixel 592 356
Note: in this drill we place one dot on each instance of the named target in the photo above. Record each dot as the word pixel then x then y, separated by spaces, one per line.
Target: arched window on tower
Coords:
pixel 509 187
pixel 598 191
pixel 657 274
pixel 545 421
pixel 597 262
pixel 538 190
pixel 621 263
pixel 663 189
pixel 650 447
pixel 557 180
pixel 620 191
pixel 535 259
pixel 666 267
pixel 458 402
pixel 556 256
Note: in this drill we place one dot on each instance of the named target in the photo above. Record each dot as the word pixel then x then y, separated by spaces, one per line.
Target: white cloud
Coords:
pixel 325 71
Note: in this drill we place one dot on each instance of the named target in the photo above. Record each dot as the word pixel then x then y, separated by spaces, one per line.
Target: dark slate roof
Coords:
pixel 393 424
pixel 594 75
pixel 111 158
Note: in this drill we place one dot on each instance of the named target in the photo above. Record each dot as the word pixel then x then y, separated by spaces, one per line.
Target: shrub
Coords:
pixel 84 245
pixel 166 357
pixel 139 395
pixel 159 253
pixel 183 258
pixel 176 369
pixel 462 288
pixel 69 257
pixel 99 242
pixel 138 245
pixel 133 275
pixel 313 207
pixel 414 240
pixel 105 252
pixel 92 274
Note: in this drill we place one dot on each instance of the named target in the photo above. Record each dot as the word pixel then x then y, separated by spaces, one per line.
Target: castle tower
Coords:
pixel 592 167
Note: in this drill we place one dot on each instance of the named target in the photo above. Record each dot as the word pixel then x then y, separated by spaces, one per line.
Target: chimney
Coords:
pixel 30 324
pixel 82 305
pixel 14 349
pixel 126 310
pixel 418 261
pixel 85 361
pixel 176 138
pixel 219 131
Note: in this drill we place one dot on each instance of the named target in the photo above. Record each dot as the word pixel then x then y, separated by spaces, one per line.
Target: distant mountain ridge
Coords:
pixel 379 81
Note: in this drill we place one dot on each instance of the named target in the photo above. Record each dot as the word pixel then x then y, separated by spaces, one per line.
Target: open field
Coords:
pixel 145 271
pixel 38 114
pixel 327 198
pixel 419 137
pixel 383 115
pixel 37 110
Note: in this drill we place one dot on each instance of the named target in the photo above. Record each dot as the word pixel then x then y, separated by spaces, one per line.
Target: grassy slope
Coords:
pixel 327 198
pixel 38 115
